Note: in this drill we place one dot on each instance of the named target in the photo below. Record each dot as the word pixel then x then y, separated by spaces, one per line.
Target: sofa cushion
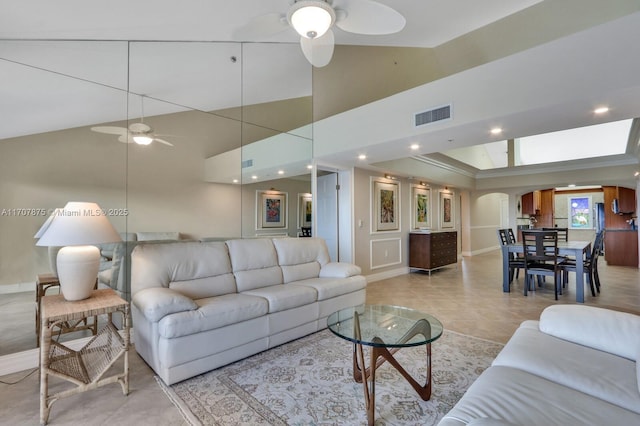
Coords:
pixel 285 296
pixel 156 303
pixel 299 272
pixel 522 398
pixel 254 263
pixel 603 329
pixel 197 269
pixel 328 288
pixel 212 313
pixel 600 374
pixel 295 251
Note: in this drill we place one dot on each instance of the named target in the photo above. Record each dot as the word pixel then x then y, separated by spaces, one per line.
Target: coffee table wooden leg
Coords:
pixel 367 375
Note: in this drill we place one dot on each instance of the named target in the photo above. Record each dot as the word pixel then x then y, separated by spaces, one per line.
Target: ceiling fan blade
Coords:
pixel 110 130
pixel 368 17
pixel 162 141
pixel 139 128
pixel 261 26
pixel 125 139
pixel 318 51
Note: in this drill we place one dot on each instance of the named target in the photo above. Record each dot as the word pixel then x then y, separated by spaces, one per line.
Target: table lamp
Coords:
pixel 76 227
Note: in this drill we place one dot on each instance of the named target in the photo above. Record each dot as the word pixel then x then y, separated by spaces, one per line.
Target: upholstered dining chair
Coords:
pixel 516 262
pixel 541 259
pixel 590 265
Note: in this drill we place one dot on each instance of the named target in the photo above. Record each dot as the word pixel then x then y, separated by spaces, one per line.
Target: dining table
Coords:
pixel 581 250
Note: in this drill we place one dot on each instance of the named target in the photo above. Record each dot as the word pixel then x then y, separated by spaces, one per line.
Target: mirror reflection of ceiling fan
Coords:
pixel 139 133
pixel 313 20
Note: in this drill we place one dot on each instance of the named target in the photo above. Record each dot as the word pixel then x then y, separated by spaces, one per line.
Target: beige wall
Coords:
pixel 484 217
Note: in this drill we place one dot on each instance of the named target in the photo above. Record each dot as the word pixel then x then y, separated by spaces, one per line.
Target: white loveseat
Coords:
pixel 577 365
pixel 197 306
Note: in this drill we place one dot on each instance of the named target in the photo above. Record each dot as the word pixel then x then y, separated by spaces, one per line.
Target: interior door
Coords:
pixel 327 210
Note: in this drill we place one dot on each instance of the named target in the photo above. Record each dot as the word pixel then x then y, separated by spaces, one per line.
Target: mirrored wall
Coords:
pixel 230 124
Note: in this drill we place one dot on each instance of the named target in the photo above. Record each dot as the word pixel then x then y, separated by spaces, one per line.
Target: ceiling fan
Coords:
pixel 139 133
pixel 313 20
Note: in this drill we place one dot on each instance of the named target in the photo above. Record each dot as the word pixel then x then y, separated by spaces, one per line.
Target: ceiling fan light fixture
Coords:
pixel 311 18
pixel 142 139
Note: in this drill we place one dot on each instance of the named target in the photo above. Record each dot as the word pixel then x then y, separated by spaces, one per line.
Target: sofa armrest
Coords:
pixel 602 329
pixel 157 302
pixel 339 270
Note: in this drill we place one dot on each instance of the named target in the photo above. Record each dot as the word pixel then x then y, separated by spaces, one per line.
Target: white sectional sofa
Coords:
pixel 197 306
pixel 577 365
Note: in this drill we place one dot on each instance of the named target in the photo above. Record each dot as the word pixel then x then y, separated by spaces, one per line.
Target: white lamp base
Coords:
pixel 77 271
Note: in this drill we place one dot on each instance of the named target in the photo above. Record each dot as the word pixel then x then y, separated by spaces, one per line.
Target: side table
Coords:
pixel 84 368
pixel 43 283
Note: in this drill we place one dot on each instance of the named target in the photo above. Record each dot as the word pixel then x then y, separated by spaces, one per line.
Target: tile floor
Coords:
pixel 467 298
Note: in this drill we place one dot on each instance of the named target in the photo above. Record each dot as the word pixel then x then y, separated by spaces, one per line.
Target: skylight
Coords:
pixel 584 142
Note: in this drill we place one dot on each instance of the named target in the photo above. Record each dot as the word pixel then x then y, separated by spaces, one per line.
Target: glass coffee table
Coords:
pixel 385 329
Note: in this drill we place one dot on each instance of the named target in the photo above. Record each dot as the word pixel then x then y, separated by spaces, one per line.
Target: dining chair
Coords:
pixel 590 265
pixel 563 233
pixel 515 262
pixel 541 258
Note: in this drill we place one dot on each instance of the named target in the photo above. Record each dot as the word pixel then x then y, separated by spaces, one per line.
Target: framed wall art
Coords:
pixel 304 210
pixel 447 213
pixel 580 216
pixel 386 206
pixel 420 207
pixel 271 209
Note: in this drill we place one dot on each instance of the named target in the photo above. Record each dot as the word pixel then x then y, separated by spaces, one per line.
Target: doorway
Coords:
pixel 332 211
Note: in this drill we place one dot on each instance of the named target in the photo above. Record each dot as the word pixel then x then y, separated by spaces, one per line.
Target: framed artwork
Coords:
pixel 580 216
pixel 447 213
pixel 271 209
pixel 420 207
pixel 304 210
pixel 386 206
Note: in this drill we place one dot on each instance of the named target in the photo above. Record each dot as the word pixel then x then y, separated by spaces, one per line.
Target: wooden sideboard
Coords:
pixel 429 251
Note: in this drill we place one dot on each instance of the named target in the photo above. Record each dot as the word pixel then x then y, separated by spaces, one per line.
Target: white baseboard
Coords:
pixel 29 359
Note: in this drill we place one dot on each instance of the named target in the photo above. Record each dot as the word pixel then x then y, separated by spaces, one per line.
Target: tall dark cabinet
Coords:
pixel 429 251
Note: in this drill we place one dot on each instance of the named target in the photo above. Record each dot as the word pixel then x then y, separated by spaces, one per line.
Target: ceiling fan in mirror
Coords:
pixel 314 20
pixel 139 133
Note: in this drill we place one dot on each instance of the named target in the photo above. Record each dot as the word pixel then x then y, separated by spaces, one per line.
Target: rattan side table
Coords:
pixel 86 367
pixel 43 283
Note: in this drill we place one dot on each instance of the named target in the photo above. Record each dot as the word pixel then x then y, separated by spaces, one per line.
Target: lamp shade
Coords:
pixel 78 223
pixel 311 19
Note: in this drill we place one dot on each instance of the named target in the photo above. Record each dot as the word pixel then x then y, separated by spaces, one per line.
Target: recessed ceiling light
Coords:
pixel 362 157
pixel 496 131
pixel 254 177
pixel 309 166
pixel 235 181
pixel 415 146
pixel 601 110
pixel 280 172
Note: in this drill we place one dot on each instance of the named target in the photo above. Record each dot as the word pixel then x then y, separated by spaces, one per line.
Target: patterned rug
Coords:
pixel 309 382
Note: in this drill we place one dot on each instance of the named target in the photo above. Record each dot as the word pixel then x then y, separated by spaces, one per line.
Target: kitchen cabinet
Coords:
pixel 621 247
pixel 626 200
pixel 432 250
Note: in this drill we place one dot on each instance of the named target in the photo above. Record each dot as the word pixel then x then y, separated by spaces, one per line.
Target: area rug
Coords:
pixel 309 382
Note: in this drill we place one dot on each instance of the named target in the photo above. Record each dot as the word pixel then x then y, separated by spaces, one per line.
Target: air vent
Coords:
pixel 432 115
pixel 246 163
